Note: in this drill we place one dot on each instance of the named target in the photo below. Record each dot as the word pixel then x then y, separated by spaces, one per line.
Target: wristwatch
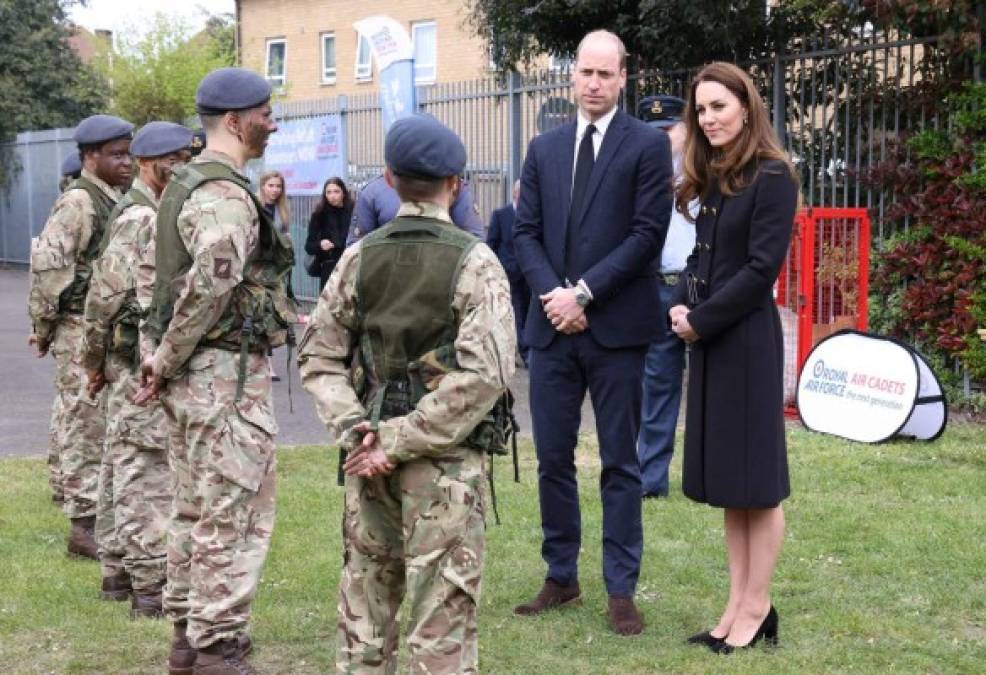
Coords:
pixel 581 297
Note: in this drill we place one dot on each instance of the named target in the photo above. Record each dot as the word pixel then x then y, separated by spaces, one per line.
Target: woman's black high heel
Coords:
pixel 767 632
pixel 705 638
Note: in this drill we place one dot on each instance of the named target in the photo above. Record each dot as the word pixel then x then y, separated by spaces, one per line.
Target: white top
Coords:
pixel 681 233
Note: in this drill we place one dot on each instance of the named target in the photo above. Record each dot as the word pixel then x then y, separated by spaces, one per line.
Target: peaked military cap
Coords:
pixel 97 129
pixel 661 111
pixel 72 165
pixel 160 138
pixel 228 89
pixel 420 146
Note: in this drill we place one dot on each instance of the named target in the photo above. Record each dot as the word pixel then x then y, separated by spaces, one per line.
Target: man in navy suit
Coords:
pixel 594 206
pixel 500 238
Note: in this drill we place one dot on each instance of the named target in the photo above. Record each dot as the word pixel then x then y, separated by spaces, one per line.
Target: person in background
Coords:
pixel 377 205
pixel 735 452
pixel 500 238
pixel 328 228
pixel 273 196
pixel 665 361
pixel 71 169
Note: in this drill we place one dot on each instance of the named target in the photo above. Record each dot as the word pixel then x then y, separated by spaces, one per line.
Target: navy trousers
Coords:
pixel 663 370
pixel 560 376
pixel 520 299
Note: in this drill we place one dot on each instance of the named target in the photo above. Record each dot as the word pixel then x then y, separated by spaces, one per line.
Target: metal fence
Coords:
pixel 838 107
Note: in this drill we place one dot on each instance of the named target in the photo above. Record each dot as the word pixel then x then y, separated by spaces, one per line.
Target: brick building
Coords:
pixel 310 50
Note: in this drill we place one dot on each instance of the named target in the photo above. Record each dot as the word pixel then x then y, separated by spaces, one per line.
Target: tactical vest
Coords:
pixel 73 299
pixel 124 338
pixel 260 313
pixel 407 324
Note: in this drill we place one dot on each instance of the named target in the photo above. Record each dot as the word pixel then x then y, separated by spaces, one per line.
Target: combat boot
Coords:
pixel 224 657
pixel 117 587
pixel 146 603
pixel 181 660
pixel 82 538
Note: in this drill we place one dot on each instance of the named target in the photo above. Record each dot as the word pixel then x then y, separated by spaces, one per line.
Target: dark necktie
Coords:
pixel 583 169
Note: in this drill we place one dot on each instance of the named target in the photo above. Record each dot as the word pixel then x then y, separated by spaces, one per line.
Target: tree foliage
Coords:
pixel 669 34
pixel 44 83
pixel 154 76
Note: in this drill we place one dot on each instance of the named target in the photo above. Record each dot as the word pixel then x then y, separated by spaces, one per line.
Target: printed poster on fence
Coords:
pixel 307 151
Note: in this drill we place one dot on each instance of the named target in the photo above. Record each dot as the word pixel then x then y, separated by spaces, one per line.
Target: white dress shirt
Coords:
pixel 602 124
pixel 681 233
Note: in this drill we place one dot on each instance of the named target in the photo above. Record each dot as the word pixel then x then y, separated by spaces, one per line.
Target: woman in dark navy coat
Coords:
pixel 735 455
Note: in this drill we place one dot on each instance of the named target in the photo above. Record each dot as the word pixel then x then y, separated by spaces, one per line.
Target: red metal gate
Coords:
pixel 834 244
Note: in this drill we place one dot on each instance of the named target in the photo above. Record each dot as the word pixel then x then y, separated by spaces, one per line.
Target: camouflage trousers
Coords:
pixel 222 455
pixel 418 533
pixel 80 423
pixel 134 484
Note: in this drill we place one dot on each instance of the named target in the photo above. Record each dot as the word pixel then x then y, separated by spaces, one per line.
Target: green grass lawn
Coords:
pixel 883 570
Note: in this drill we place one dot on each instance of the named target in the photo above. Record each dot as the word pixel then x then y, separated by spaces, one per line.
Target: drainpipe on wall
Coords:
pixel 236 35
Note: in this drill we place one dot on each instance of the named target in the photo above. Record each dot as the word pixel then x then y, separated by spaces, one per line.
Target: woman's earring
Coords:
pixel 745 120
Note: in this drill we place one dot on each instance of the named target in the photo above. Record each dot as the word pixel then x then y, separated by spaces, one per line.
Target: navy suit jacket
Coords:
pixel 624 220
pixel 500 238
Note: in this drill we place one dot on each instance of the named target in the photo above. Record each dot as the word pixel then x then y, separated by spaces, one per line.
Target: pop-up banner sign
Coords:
pixel 870 388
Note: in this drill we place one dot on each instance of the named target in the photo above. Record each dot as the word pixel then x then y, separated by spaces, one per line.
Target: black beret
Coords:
pixel 160 138
pixel 420 146
pixel 71 165
pixel 231 89
pixel 97 129
pixel 661 111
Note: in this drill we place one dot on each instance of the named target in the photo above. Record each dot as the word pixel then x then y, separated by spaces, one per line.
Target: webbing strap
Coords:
pixel 245 334
pixel 496 511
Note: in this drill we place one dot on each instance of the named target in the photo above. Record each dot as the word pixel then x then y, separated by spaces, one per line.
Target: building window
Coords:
pixel 364 60
pixel 276 68
pixel 328 58
pixel 424 36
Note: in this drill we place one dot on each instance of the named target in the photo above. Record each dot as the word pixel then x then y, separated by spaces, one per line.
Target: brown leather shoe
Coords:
pixel 553 595
pixel 182 657
pixel 116 587
pixel 146 604
pixel 222 658
pixel 82 540
pixel 624 618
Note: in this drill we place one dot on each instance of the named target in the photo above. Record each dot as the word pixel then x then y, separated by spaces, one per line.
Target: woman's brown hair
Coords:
pixel 729 167
pixel 282 205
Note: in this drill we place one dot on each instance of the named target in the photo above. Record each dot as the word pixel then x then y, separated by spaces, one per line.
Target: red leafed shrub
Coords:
pixel 929 282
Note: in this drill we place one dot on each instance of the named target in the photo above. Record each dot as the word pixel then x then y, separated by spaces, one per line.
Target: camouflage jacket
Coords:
pixel 220 227
pixel 55 252
pixel 126 265
pixel 484 349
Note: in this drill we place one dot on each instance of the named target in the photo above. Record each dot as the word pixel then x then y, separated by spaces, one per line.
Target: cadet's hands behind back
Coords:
pixel 40 345
pixel 151 383
pixel 367 459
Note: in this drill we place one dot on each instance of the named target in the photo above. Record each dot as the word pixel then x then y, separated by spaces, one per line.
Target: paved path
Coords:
pixel 26 385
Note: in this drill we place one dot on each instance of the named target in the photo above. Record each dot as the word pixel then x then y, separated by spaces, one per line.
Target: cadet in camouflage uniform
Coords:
pixel 428 309
pixel 220 302
pixel 61 265
pixel 134 479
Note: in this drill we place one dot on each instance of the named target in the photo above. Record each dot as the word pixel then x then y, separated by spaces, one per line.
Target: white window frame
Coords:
pixel 434 66
pixel 561 64
pixel 277 81
pixel 328 78
pixel 363 72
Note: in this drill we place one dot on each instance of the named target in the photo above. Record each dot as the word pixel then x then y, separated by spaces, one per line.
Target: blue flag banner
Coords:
pixel 397 93
pixel 394 54
pixel 307 151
